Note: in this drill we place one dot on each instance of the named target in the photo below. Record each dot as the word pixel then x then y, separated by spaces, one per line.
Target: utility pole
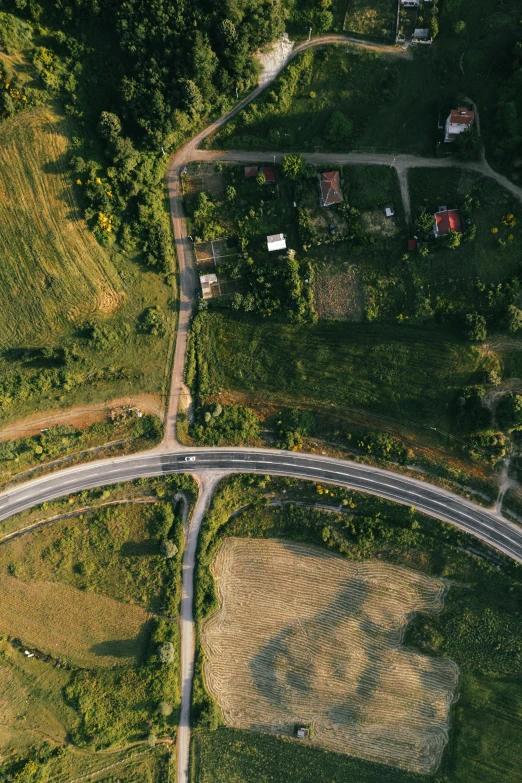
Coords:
pixel 237 94
pixel 393 161
pixel 310 34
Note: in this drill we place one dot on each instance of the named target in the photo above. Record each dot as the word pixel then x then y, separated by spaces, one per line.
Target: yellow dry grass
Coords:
pixel 306 637
pixel 85 628
pixel 53 271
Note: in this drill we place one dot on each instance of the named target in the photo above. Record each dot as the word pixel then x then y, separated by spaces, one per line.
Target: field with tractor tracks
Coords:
pixel 54 271
pixel 304 637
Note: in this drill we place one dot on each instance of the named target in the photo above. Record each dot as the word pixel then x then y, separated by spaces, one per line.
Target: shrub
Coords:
pixel 166 653
pixel 168 548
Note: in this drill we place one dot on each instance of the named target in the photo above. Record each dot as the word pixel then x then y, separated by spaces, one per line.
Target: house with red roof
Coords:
pixel 253 171
pixel 330 185
pixel 445 221
pixel 459 121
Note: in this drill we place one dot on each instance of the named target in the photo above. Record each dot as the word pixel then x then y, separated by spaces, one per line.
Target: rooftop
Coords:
pixel 446 221
pixel 331 193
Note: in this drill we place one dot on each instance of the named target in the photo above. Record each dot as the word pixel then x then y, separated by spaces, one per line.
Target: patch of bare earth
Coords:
pixel 305 637
pixel 338 294
pixel 80 416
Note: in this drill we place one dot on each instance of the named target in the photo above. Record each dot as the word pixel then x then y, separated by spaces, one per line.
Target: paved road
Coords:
pixel 485 524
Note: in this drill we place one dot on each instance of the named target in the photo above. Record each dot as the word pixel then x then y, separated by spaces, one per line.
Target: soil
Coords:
pixel 79 416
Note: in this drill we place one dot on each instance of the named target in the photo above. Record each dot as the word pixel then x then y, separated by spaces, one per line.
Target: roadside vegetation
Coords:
pixel 63 445
pixel 479 628
pixel 98 593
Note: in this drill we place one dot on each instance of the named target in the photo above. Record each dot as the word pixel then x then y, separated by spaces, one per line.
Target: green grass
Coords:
pixel 452 273
pixel 481 612
pixel 392 103
pixel 369 18
pixel 234 756
pixel 410 373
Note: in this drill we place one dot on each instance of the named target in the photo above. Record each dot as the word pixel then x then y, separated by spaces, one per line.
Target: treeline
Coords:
pixel 508 126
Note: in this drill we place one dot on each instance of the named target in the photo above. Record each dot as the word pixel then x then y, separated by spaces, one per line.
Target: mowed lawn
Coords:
pixel 410 373
pixel 84 628
pixel 53 271
pixel 391 102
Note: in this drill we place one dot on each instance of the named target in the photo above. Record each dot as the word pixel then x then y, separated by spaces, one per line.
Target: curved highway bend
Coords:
pixel 210 465
pixel 470 517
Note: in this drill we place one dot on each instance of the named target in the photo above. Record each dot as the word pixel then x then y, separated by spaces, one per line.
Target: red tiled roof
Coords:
pixel 412 244
pixel 461 116
pixel 269 173
pixel 447 221
pixel 331 188
pixel 251 171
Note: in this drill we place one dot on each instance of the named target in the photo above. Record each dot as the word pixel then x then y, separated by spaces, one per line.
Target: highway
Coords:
pixel 481 522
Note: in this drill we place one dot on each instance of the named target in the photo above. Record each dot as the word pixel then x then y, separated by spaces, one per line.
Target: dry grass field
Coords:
pixel 84 628
pixel 53 271
pixel 303 636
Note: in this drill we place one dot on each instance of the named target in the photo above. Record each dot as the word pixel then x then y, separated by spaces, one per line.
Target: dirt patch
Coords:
pixel 338 294
pixel 80 416
pixel 304 637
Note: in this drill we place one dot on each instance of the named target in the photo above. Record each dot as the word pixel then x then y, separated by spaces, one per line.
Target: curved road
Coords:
pixel 210 464
pixel 481 522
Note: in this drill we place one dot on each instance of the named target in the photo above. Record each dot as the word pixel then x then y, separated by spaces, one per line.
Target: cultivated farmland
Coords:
pixel 303 637
pixel 54 272
pixel 85 628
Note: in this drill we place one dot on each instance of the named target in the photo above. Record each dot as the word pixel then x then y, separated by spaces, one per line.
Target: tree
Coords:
pixel 152 322
pixel 260 179
pixel 509 411
pixel 191 96
pixel 294 166
pixel 7 107
pixel 339 129
pixel 165 709
pixel 168 548
pixel 459 26
pixel 231 193
pixel 514 319
pixel 452 239
pixel 476 328
pixel 166 652
pixel 109 126
pixel 425 222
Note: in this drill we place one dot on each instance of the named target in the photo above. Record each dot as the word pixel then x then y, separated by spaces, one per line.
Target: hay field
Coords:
pixel 53 271
pixel 85 628
pixel 306 637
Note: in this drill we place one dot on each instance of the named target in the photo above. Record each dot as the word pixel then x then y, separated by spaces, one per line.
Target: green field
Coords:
pixel 96 677
pixel 74 300
pixel 386 104
pixel 480 628
pixel 409 373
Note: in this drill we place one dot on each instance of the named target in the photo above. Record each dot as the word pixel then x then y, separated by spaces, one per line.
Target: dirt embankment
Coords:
pixel 79 416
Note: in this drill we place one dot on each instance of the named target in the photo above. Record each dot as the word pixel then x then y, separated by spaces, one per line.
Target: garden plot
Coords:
pixel 377 18
pixel 375 222
pixel 219 256
pixel 304 637
pixel 200 178
pixel 338 293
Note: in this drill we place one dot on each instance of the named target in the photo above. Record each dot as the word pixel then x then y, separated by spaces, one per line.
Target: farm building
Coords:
pixel 421 34
pixel 459 121
pixel 330 185
pixel 445 221
pixel 253 171
pixel 209 285
pixel 276 242
pixel 303 733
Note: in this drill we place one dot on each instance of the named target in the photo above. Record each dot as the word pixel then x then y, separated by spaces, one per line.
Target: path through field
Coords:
pixel 305 637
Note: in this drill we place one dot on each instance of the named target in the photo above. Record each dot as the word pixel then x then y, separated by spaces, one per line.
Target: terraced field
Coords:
pixel 54 272
pixel 304 637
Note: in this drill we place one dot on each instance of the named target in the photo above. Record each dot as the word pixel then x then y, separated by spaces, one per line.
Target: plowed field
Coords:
pixel 304 637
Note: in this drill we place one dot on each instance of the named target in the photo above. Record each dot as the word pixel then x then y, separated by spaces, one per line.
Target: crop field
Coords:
pixel 54 272
pixel 85 628
pixel 376 18
pixel 305 637
pixel 410 373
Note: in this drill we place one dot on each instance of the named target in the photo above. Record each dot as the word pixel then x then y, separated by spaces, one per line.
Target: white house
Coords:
pixel 276 242
pixel 459 121
pixel 410 3
pixel 208 282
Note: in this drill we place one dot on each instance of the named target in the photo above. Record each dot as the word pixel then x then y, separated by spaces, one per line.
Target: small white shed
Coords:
pixel 276 242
